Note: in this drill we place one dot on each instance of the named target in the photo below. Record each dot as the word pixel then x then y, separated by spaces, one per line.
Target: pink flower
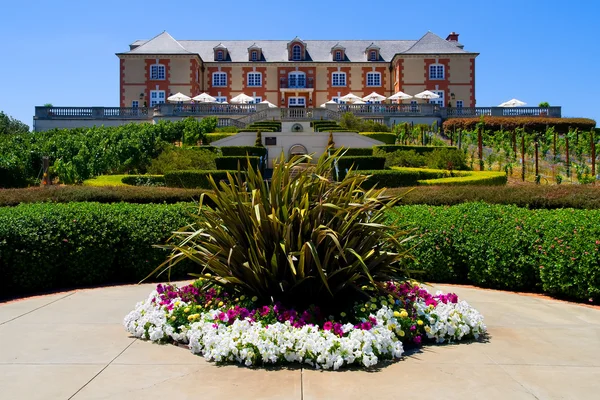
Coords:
pixel 327 326
pixel 417 339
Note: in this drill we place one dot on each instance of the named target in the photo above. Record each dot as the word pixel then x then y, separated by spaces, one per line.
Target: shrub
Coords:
pixel 213 137
pixel 530 124
pixel 180 159
pixel 398 177
pixel 242 151
pixel 506 247
pixel 302 239
pixel 352 122
pixel 483 178
pixel 226 129
pixel 401 158
pixel 195 179
pixel 106 180
pixel 235 162
pixel 263 130
pixel 446 159
pixel 144 180
pixel 421 150
pixel 59 246
pixel 388 138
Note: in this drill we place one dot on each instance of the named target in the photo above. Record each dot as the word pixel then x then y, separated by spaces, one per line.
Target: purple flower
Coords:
pixel 265 310
pixel 413 327
pixel 327 326
pixel 417 339
pixel 337 329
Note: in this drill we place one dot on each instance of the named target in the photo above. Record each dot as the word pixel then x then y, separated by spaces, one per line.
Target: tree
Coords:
pixel 9 125
pixel 330 142
pixel 258 141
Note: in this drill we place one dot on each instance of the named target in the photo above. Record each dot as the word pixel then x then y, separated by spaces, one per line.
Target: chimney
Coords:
pixel 452 37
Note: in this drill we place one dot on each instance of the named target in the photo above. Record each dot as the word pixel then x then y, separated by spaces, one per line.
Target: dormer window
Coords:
pixel 338 52
pixel 372 52
pixel 220 52
pixel 254 53
pixel 296 52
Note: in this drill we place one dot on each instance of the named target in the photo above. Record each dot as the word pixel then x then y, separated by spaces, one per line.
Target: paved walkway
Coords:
pixel 72 345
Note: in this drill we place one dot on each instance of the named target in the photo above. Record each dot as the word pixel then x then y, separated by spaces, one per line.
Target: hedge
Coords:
pixel 506 247
pixel 144 180
pixel 531 124
pixel 235 162
pixel 194 179
pixel 213 137
pixel 355 151
pixel 337 129
pixel 243 151
pixel 387 138
pixel 360 162
pixel 213 149
pixel 422 150
pixel 262 130
pixel 59 246
pixel 401 176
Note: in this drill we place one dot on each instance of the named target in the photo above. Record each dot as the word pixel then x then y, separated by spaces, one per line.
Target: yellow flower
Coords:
pixel 173 318
pixel 186 310
pixel 364 287
pixel 401 333
pixel 392 327
pixel 254 298
pixel 207 274
pixel 427 329
pixel 403 314
pixel 419 322
pixel 342 314
pixel 242 297
pixel 362 309
pixel 373 306
pixel 396 314
pixel 237 299
pixel 177 303
pixel 220 304
pixel 191 317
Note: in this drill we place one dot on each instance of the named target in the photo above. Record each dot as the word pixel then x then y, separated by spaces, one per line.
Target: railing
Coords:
pixel 230 122
pixel 202 109
pixel 287 83
pixel 91 113
pixel 387 109
pixel 258 116
pixel 457 112
pixel 297 114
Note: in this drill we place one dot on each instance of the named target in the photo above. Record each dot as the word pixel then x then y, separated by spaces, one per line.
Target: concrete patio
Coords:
pixel 73 345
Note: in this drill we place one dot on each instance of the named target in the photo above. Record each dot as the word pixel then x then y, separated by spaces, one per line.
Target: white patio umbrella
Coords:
pixel 204 98
pixel 400 96
pixel 373 97
pixel 426 95
pixel 327 102
pixel 178 98
pixel 350 98
pixel 242 99
pixel 359 102
pixel 271 105
pixel 513 103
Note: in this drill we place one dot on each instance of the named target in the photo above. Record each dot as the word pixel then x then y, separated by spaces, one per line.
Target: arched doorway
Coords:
pixel 297 150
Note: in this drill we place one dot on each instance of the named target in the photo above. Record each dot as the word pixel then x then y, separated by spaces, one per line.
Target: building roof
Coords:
pixel 277 50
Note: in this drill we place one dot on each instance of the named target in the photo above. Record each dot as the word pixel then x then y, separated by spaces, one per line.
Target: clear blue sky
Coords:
pixel 63 52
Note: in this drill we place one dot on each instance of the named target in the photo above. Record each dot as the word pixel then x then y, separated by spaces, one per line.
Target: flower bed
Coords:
pixel 236 329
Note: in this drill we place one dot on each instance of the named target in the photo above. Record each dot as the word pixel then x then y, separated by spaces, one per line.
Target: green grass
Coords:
pixel 105 180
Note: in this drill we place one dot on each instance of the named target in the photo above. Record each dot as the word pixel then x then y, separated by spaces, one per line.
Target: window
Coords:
pixel 297 101
pixel 459 104
pixel 254 79
pixel 220 55
pixel 219 79
pixel 436 71
pixel 373 55
pixel 254 55
pixel 135 104
pixel 337 100
pixel 338 79
pixel 221 99
pixel 373 79
pixel 297 80
pixel 257 99
pixel 157 72
pixel 338 55
pixel 296 52
pixel 413 106
pixel 157 97
pixel 440 100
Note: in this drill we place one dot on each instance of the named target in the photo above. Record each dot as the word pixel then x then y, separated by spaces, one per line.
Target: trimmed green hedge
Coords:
pixel 59 246
pixel 262 130
pixel 243 151
pixel 213 137
pixel 235 162
pixel 506 247
pixel 194 179
pixel 401 176
pixel 387 138
pixel 355 151
pixel 417 149
pixel 360 162
pixel 144 180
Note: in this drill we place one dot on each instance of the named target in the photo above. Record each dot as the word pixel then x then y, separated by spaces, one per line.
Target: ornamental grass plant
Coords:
pixel 300 239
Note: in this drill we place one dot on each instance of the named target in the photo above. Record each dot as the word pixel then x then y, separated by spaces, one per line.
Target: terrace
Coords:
pixel 240 115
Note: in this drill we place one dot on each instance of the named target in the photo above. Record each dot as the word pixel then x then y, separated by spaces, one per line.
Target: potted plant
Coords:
pixel 544 104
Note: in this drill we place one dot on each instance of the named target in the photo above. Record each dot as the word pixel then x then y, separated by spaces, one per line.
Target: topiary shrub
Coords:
pixel 243 151
pixel 450 159
pixel 144 180
pixel 236 162
pixel 195 179
pixel 181 159
pixel 213 137
pixel 388 138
